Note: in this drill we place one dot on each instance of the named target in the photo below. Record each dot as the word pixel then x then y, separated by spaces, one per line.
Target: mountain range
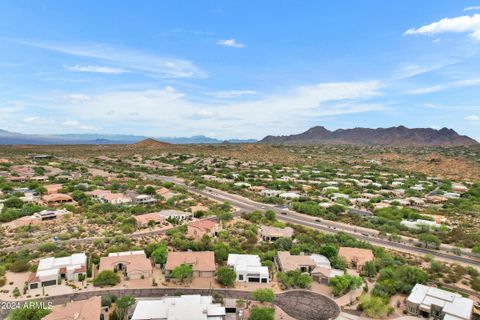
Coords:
pixel 7 137
pixel 393 136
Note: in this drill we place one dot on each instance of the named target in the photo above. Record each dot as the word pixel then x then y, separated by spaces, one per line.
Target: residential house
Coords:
pixel 356 257
pixel 89 309
pixel 115 198
pixel 57 199
pixel 248 268
pixel 289 195
pixel 134 264
pixel 52 188
pixel 50 214
pixel 457 187
pixel 165 193
pixel 144 219
pixel 144 199
pixel 316 265
pixel 273 233
pixel 202 262
pixel 176 215
pixel 200 228
pixel 270 193
pixel 185 307
pixel 51 270
pixel 257 188
pixel 437 303
pixel 419 224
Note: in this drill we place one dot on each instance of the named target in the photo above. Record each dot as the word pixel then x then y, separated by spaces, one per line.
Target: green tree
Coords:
pixel 13 202
pixel 123 303
pixel 159 255
pixel 261 313
pixel 342 284
pixel 374 307
pixel 430 239
pixel 183 273
pixel 476 249
pixel 283 244
pixel 28 312
pixel 369 269
pixel 226 276
pixel 106 278
pixel 270 215
pixel 225 216
pixel 329 251
pixel 263 295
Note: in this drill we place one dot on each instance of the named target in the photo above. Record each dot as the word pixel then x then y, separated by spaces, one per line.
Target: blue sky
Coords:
pixel 238 69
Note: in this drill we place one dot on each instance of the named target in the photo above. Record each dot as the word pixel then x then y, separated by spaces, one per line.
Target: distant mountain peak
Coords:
pixel 392 136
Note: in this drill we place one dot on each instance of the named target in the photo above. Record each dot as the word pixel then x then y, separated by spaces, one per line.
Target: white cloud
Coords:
pixel 232 93
pixel 472 8
pixel 442 87
pixel 472 117
pixel 168 111
pixel 462 24
pixel 96 69
pixel 128 59
pixel 78 98
pixel 77 125
pixel 412 70
pixel 35 120
pixel 230 43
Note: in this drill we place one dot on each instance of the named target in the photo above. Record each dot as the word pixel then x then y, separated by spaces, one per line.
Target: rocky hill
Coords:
pixel 150 143
pixel 394 136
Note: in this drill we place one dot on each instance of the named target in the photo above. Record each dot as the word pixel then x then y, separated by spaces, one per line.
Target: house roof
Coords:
pixel 288 262
pixel 186 307
pixel 54 197
pixel 145 218
pixel 77 310
pixel 200 261
pixel 133 260
pixel 276 232
pixel 452 304
pixel 203 224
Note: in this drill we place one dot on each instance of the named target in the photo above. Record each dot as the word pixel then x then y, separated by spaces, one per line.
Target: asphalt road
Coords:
pixel 369 235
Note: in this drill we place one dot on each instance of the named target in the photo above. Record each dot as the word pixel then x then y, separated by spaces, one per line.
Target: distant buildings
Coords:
pixel 52 270
pixel 440 304
pixel 248 268
pixel 186 307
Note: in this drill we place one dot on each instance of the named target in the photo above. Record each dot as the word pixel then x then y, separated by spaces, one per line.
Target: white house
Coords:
pixel 144 199
pixel 51 270
pixel 418 224
pixel 175 214
pixel 289 195
pixel 437 303
pixel 270 193
pixel 186 307
pixel 248 268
